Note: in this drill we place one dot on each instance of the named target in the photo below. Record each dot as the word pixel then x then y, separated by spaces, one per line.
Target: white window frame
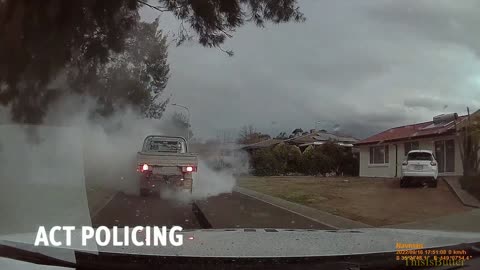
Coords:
pixel 386 155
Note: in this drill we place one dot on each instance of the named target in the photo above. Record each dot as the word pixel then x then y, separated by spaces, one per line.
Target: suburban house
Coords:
pixel 261 145
pixel 314 138
pixel 382 154
pixel 304 140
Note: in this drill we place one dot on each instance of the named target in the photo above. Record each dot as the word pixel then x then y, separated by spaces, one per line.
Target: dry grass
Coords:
pixel 374 201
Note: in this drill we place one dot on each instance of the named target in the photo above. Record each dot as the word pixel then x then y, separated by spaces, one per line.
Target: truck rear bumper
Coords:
pixel 158 182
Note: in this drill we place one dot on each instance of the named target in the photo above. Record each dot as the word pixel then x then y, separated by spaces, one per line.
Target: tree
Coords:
pixel 297 132
pixel 470 145
pixel 39 39
pixel 264 162
pixel 335 153
pixel 314 162
pixel 246 132
pixel 282 136
pixel 135 77
pixel 288 157
pixel 350 163
pixel 248 135
pixel 327 158
pixel 343 159
pixel 181 122
pixel 177 125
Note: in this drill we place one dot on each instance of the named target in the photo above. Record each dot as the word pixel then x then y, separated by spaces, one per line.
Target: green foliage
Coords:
pixel 288 157
pixel 314 162
pixel 39 39
pixel 135 77
pixel 343 159
pixel 282 136
pixel 179 125
pixel 215 20
pixel 334 153
pixel 265 163
pixel 284 159
pixel 470 146
pixel 249 135
pixel 350 163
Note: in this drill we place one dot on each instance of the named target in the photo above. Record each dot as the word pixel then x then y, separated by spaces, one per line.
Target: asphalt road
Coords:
pixel 229 210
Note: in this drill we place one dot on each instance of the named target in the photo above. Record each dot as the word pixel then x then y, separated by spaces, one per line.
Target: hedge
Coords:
pixel 288 159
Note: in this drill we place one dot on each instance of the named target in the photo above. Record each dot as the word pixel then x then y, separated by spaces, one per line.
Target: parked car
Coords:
pixel 420 165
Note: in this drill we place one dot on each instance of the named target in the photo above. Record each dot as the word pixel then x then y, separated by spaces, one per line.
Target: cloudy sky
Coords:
pixel 363 65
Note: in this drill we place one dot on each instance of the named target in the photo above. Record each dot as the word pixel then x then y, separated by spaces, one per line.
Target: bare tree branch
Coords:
pixel 161 9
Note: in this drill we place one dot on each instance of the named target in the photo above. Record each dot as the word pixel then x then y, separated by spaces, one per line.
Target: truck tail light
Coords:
pixel 143 168
pixel 405 163
pixel 189 169
pixel 433 163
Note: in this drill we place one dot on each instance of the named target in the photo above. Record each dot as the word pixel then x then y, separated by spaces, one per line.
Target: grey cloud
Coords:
pixel 423 102
pixel 443 21
pixel 438 105
pixel 365 65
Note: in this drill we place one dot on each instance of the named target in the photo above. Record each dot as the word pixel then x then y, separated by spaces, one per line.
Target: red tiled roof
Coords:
pixel 425 129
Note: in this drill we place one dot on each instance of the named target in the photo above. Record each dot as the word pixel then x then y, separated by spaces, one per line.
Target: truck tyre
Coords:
pixel 187 184
pixel 144 192
pixel 403 183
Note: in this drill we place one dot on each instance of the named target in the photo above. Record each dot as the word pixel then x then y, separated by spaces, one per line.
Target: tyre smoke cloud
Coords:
pixel 72 156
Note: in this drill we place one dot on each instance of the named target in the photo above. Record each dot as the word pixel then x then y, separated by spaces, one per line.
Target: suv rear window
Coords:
pixel 419 156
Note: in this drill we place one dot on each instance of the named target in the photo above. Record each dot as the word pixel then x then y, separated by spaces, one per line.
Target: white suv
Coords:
pixel 419 165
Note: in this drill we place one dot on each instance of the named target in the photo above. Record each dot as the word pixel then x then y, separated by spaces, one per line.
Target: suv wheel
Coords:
pixel 403 182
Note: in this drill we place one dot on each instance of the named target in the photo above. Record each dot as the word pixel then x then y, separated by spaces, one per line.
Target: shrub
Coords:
pixel 264 162
pixel 335 153
pixel 350 164
pixel 344 161
pixel 314 162
pixel 284 158
pixel 294 159
pixel 288 157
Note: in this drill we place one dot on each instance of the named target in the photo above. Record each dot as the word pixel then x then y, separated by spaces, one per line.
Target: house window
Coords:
pixel 379 154
pixel 409 146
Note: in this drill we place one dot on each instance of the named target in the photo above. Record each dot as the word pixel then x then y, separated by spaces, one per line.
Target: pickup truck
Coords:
pixel 164 162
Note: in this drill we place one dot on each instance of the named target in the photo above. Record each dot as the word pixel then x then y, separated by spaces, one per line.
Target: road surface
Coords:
pixel 229 210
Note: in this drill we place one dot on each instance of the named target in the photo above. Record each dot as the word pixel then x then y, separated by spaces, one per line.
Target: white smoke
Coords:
pixel 211 183
pixel 109 147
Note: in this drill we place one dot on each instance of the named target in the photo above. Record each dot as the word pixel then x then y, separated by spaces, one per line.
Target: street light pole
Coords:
pixel 188 116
